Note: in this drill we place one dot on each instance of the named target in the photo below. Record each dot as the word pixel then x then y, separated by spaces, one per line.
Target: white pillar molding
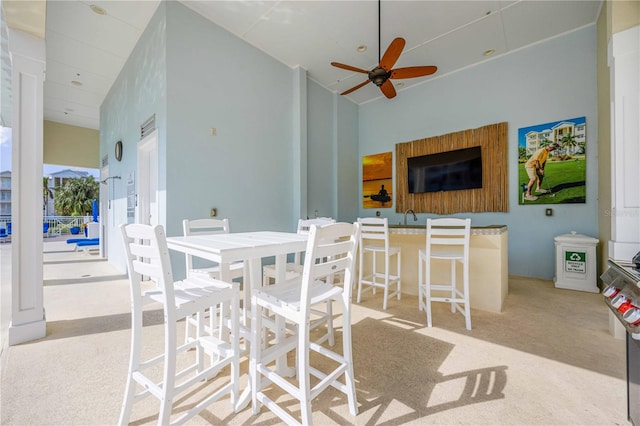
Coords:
pixel 28 67
pixel 299 144
pixel 624 64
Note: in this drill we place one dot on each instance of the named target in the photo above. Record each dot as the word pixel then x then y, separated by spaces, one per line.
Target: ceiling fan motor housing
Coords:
pixel 379 75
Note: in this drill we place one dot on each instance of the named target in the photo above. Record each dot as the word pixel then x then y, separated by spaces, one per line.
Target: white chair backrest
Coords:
pixel 374 228
pixel 451 232
pixel 304 225
pixel 331 249
pixel 148 255
pixel 203 227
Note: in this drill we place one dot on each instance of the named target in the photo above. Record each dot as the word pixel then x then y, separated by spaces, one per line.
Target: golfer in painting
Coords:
pixel 535 170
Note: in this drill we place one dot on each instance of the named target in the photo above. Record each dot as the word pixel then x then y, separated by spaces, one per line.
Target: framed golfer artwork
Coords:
pixel 377 181
pixel 552 162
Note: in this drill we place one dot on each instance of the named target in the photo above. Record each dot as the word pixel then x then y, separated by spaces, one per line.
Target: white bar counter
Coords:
pixel 488 267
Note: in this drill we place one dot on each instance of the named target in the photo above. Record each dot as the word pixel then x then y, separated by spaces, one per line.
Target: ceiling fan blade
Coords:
pixel 392 54
pixel 388 89
pixel 353 89
pixel 348 67
pixel 410 72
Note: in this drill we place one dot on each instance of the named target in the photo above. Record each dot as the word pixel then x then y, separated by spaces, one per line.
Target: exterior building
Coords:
pixel 557 134
pixel 5 193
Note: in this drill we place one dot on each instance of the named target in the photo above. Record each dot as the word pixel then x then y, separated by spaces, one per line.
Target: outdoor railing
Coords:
pixel 58 225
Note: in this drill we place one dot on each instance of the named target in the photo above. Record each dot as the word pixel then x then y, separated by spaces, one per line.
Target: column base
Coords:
pixel 27 332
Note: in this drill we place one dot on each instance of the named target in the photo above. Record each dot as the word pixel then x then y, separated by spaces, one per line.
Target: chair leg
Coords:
pixel 347 352
pixel 386 283
pixel 332 340
pixel 399 273
pixel 169 379
pixel 373 272
pixel 453 286
pixel 420 283
pixel 254 359
pixel 134 365
pixel 360 274
pixel 467 308
pixel 427 290
pixel 304 378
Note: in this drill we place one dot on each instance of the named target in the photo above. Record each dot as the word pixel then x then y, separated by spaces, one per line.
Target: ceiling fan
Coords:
pixel 384 72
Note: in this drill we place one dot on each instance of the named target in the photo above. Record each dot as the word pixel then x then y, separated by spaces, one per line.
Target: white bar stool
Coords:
pixel 374 240
pixel 331 249
pixel 447 239
pixel 148 255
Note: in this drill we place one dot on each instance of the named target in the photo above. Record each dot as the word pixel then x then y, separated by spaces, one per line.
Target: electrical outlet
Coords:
pixel 214 212
pixel 214 131
pixel 378 213
pixel 549 212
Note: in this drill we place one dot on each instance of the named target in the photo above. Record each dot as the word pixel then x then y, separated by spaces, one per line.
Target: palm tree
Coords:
pixel 545 143
pixel 522 152
pixel 75 197
pixel 47 194
pixel 567 142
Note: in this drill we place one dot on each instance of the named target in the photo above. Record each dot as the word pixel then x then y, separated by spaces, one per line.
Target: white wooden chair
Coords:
pixel 331 249
pixel 294 269
pixel 147 255
pixel 447 239
pixel 207 226
pixel 374 240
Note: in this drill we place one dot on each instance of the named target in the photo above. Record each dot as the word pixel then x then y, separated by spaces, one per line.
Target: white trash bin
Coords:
pixel 576 262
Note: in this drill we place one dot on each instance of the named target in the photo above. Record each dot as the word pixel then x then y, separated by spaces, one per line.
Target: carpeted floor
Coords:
pixel 548 359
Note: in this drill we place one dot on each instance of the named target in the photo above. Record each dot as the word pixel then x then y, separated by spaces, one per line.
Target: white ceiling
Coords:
pixel 90 48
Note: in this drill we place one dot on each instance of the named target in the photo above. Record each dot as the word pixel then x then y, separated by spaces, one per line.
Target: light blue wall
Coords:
pixel 550 81
pixel 216 80
pixel 137 94
pixel 347 161
pixel 196 76
pixel 332 155
pixel 321 168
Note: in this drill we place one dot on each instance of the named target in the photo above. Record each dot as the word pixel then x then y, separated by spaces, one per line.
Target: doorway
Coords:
pixel 147 201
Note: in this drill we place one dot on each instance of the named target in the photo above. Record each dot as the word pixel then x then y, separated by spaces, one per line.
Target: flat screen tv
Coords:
pixel 445 171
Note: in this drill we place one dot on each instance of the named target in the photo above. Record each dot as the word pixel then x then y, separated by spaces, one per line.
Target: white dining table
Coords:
pixel 249 247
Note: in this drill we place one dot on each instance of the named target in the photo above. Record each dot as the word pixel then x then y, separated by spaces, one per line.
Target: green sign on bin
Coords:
pixel 575 261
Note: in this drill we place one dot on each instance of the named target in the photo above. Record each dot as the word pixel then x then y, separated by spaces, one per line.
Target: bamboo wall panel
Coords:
pixel 492 197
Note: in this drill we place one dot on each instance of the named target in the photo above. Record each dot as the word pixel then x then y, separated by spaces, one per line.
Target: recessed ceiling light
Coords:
pixel 361 48
pixel 97 9
pixel 489 52
pixel 76 83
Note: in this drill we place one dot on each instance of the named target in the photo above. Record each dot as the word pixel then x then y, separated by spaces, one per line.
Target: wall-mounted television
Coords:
pixel 445 171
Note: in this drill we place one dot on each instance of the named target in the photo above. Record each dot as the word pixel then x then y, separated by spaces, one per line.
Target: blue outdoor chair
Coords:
pixel 45 229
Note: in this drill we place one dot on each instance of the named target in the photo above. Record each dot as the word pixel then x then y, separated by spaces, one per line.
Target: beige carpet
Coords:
pixel 547 359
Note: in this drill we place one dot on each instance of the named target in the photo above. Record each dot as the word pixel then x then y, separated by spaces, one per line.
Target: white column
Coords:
pixel 624 63
pixel 299 144
pixel 28 66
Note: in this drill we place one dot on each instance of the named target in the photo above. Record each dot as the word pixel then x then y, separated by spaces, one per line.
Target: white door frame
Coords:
pixel 104 210
pixel 147 177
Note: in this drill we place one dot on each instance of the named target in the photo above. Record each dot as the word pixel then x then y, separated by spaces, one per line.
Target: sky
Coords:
pixel 5 157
